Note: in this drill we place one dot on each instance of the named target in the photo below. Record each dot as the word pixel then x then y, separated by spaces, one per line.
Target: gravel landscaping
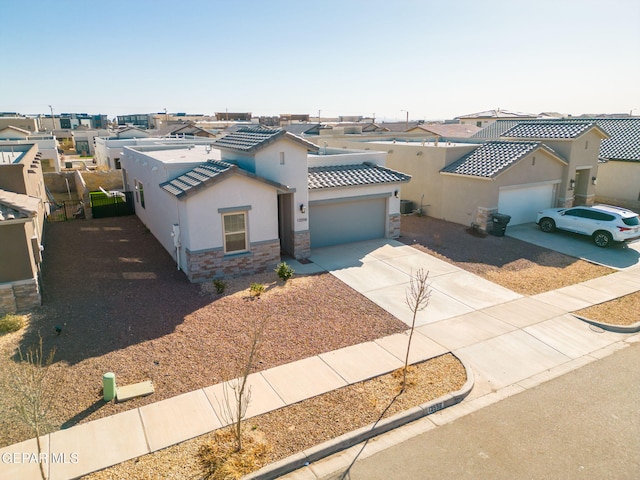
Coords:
pixel 622 311
pixel 310 422
pixel 121 305
pixel 519 266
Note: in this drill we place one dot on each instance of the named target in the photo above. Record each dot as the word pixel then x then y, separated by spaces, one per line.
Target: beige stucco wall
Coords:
pixel 422 162
pixel 463 195
pixel 619 184
pixel 16 258
pixel 582 154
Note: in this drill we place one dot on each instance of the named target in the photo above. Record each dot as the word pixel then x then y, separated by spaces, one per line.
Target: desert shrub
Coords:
pixel 11 323
pixel 219 459
pixel 284 271
pixel 256 289
pixel 220 285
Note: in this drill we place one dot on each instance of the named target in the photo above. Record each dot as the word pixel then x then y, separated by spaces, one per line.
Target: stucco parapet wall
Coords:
pixel 214 263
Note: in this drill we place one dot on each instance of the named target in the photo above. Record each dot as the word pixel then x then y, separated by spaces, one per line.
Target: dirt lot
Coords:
pixel 516 265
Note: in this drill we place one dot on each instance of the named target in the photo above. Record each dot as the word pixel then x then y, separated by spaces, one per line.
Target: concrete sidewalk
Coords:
pixel 508 340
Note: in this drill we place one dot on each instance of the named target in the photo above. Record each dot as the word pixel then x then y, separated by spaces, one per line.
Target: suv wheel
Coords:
pixel 602 238
pixel 547 225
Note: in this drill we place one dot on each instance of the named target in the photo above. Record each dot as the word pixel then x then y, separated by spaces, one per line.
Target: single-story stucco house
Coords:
pixel 237 205
pixel 529 167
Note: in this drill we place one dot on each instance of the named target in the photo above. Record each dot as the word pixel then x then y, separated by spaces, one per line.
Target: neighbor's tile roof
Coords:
pixel 17 205
pixel 492 158
pixel 623 144
pixel 624 141
pixel 196 177
pixel 250 139
pixel 352 175
pixel 548 130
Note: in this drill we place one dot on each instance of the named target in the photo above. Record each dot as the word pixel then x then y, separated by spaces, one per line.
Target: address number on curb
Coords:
pixel 435 407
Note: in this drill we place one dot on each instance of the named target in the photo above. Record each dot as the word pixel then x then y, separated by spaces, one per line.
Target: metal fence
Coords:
pixel 67 210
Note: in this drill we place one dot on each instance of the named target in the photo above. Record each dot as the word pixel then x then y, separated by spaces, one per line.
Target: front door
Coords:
pixel 285 223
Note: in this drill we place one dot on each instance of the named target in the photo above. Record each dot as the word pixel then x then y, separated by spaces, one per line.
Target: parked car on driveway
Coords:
pixel 603 223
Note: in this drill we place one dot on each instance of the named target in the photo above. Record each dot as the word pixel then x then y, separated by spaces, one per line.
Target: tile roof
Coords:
pixel 196 177
pixel 251 139
pixel 449 129
pixel 492 158
pixel 548 130
pixel 623 144
pixel 498 114
pixel 352 175
pixel 16 205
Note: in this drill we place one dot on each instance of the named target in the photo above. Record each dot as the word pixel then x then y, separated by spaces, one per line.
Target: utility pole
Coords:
pixel 53 122
pixel 319 116
pixel 407 123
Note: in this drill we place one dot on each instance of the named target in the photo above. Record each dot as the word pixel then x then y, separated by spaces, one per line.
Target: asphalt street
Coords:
pixel 582 425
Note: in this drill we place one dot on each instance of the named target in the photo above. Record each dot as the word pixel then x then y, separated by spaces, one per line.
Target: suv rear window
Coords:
pixel 632 221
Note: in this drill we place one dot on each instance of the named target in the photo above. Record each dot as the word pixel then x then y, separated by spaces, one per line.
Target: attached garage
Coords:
pixel 344 220
pixel 523 202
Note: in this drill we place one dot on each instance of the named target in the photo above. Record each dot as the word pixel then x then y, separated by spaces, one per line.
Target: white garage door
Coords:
pixel 345 220
pixel 523 203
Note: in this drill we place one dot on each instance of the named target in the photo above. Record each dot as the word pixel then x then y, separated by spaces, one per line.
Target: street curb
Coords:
pixel 335 445
pixel 633 328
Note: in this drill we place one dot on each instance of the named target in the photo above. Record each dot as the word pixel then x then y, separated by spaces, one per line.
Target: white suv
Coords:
pixel 603 223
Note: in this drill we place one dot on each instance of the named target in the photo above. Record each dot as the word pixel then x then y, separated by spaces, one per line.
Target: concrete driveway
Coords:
pixel 618 256
pixel 381 270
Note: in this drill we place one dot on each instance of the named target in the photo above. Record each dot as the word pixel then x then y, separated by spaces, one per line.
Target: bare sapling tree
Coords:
pixel 417 298
pixel 235 409
pixel 33 392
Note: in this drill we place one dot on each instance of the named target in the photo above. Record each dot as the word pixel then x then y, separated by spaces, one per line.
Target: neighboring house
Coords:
pixel 302 129
pixel 237 206
pixel 483 119
pixel 141 120
pixel 108 150
pixel 528 168
pixel 29 124
pixel 184 128
pixel 47 143
pixel 617 180
pixel 84 140
pixel 22 215
pixel 459 130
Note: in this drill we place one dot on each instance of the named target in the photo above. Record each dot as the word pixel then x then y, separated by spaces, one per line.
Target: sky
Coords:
pixel 433 59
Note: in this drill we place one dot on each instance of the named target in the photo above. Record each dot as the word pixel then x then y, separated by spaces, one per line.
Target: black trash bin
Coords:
pixel 499 223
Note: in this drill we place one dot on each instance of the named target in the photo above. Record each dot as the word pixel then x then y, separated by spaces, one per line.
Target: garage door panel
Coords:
pixel 346 221
pixel 522 204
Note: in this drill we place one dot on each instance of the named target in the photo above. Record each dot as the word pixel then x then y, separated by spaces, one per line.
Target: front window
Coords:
pixel 235 232
pixel 139 193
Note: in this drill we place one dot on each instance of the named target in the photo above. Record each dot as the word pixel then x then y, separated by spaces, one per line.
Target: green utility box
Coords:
pixel 109 386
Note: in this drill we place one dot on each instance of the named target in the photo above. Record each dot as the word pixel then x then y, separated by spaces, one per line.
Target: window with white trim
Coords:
pixel 139 192
pixel 235 232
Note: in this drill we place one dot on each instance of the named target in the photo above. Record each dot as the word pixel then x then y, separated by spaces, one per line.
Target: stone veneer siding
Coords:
pixel 483 215
pixel 19 296
pixel 210 264
pixel 302 245
pixel 393 225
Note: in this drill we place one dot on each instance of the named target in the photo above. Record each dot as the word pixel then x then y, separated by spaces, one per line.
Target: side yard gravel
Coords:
pixel 519 266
